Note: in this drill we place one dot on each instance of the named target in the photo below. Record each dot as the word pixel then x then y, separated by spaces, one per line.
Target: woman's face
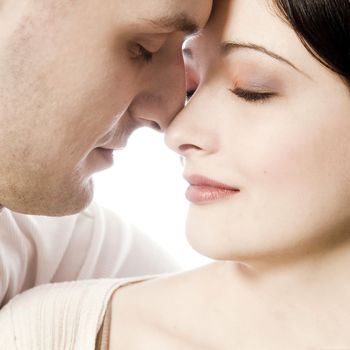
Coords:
pixel 271 122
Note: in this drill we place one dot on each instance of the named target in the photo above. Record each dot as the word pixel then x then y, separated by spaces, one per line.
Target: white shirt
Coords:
pixel 96 243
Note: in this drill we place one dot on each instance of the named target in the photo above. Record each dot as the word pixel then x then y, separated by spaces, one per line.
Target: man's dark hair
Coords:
pixel 324 28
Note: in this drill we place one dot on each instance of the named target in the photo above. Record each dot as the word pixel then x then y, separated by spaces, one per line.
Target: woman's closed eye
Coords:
pixel 189 94
pixel 253 96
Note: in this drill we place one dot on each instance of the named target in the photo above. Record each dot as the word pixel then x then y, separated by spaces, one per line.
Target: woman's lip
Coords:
pixel 204 194
pixel 199 180
pixel 204 190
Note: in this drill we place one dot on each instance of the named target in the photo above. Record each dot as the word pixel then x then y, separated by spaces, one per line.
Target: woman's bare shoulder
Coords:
pixel 160 289
pixel 148 310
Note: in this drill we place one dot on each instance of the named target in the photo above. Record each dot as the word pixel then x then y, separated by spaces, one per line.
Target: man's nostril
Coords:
pixel 156 126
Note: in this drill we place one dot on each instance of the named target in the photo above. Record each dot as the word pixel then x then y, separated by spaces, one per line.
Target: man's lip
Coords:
pixel 116 147
pixel 199 180
pixel 106 153
pixel 110 148
pixel 114 143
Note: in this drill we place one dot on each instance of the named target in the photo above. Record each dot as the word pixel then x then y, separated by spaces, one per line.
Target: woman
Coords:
pixel 265 139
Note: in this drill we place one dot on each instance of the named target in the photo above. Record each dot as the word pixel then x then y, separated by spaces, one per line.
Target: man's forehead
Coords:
pixel 182 22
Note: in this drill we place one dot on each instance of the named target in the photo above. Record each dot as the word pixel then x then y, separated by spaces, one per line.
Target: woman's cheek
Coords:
pixel 278 159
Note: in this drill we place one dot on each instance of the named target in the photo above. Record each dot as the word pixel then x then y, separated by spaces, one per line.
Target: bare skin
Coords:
pixel 220 307
pixel 77 78
pixel 282 243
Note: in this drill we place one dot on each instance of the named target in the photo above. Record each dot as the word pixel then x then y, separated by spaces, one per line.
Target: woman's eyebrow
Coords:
pixel 228 46
pixel 179 22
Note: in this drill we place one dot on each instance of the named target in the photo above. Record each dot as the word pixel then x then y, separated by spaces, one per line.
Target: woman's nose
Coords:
pixel 193 131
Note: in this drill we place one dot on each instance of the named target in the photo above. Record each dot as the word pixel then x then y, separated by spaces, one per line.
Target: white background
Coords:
pixel 146 188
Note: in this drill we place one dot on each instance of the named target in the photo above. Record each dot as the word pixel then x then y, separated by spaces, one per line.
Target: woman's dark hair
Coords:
pixel 324 28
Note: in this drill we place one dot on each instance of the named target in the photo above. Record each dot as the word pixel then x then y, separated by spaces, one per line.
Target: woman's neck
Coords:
pixel 309 296
pixel 326 271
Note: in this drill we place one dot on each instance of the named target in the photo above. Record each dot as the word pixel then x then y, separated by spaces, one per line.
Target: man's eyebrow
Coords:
pixel 180 22
pixel 228 46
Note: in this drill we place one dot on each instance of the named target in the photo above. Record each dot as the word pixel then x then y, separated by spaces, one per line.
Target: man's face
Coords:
pixel 77 77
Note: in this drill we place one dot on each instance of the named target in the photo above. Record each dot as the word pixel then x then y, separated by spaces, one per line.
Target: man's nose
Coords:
pixel 163 91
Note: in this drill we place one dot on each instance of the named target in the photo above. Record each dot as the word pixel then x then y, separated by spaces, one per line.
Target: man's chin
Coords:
pixel 62 204
pixel 71 205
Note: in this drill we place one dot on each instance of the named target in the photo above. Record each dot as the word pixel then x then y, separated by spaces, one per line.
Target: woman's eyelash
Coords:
pixel 252 96
pixel 189 94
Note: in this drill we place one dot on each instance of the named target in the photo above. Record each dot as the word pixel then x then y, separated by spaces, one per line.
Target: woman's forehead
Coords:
pixel 251 23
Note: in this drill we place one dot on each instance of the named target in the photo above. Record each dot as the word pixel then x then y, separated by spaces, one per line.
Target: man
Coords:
pixel 76 79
